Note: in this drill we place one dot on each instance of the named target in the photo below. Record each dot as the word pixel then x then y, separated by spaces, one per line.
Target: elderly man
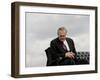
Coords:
pixel 62 49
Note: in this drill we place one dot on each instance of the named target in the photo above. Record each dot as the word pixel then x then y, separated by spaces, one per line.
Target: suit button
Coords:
pixel 60 58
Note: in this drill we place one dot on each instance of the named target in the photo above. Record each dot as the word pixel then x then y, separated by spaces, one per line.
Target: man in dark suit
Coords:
pixel 62 49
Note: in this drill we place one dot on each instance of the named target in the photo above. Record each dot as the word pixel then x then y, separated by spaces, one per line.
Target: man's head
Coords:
pixel 62 33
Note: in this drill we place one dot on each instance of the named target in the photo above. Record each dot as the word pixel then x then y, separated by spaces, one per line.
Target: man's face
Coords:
pixel 62 35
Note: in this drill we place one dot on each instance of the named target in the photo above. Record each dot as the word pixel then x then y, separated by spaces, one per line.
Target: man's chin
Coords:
pixel 62 40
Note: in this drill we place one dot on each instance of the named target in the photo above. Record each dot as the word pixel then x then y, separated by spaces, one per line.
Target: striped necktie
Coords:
pixel 64 46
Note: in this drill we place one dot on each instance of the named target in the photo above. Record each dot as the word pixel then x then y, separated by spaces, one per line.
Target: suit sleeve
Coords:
pixel 54 49
pixel 74 50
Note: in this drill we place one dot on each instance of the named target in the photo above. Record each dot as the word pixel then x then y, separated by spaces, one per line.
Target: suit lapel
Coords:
pixel 60 46
pixel 69 44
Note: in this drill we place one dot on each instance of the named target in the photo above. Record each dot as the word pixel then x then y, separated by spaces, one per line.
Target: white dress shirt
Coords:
pixel 66 44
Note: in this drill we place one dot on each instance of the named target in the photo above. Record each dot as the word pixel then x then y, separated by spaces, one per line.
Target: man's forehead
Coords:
pixel 62 32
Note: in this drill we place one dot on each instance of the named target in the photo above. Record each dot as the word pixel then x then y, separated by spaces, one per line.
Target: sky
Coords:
pixel 41 28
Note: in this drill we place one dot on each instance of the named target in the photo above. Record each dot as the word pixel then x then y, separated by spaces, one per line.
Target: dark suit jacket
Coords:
pixel 57 51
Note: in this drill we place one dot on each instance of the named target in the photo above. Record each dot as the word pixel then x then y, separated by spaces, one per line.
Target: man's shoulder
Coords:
pixel 70 39
pixel 54 40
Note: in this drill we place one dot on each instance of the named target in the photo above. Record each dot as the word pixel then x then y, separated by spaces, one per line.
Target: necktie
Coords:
pixel 64 46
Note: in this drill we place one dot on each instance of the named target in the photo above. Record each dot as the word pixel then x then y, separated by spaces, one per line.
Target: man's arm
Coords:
pixel 71 54
pixel 54 49
pixel 74 49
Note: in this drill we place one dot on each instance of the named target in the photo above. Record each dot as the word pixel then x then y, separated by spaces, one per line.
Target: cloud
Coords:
pixel 82 42
pixel 35 53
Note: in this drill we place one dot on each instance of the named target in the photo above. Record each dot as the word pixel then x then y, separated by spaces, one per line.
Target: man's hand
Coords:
pixel 70 55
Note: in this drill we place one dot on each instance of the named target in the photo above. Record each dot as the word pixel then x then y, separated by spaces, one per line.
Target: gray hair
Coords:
pixel 61 29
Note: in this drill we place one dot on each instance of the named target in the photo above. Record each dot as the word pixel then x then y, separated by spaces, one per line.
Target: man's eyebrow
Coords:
pixel 62 35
